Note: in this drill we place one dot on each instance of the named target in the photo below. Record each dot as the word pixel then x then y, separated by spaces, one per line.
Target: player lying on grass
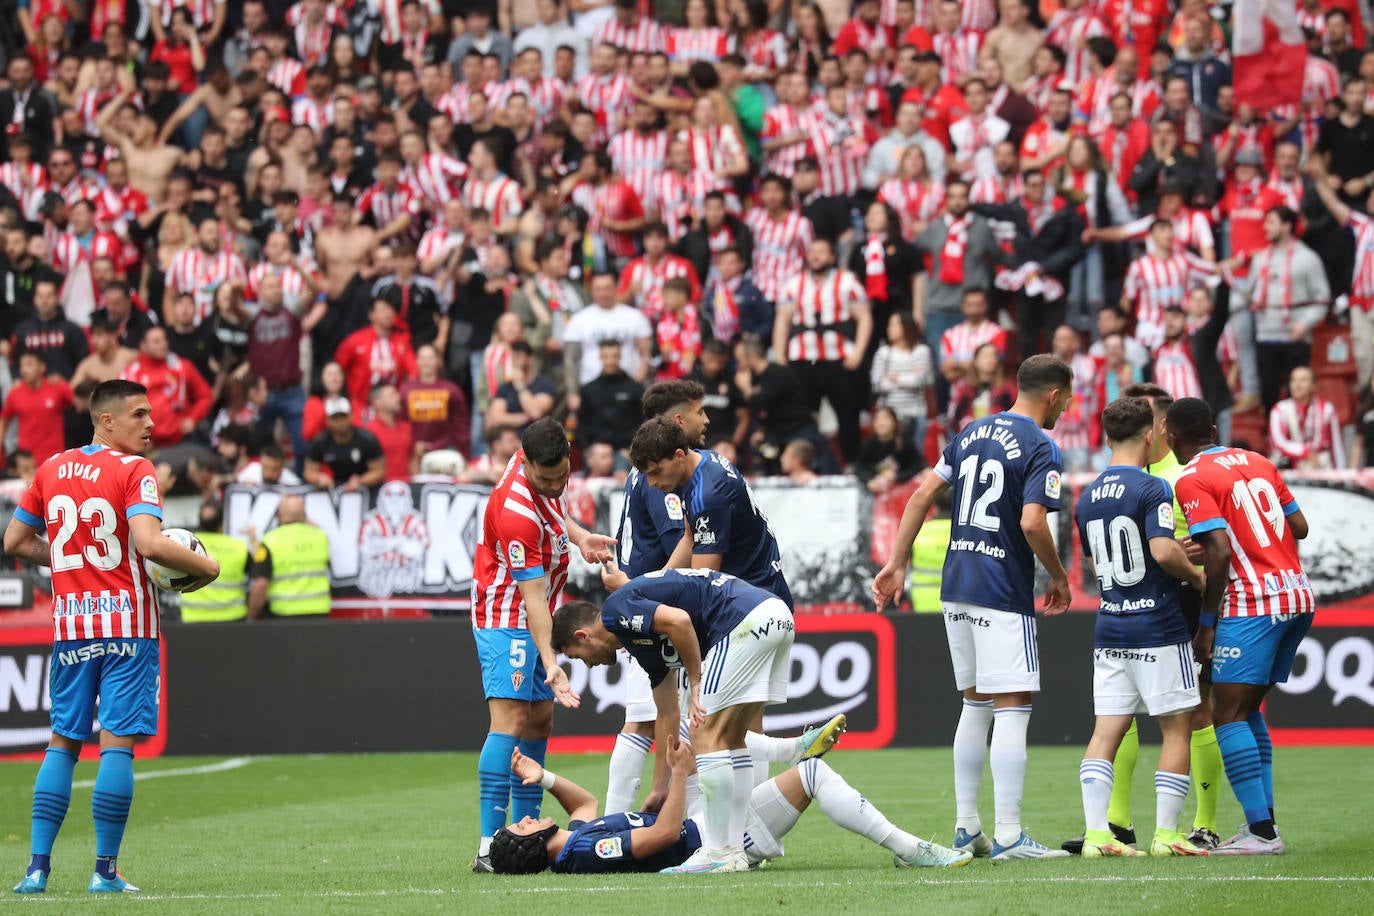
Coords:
pixel 646 842
pixel 1142 656
pixel 732 639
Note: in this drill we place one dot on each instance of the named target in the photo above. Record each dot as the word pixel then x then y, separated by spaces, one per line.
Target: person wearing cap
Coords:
pixel 943 103
pixel 1246 199
pixel 344 455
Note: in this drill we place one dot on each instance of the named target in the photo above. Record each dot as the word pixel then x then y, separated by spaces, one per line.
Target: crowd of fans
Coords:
pixel 336 239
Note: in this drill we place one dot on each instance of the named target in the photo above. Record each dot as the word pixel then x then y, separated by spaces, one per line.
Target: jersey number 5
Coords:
pixel 105 554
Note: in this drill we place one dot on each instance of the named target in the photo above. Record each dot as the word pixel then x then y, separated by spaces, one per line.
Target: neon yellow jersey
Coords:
pixel 1169 470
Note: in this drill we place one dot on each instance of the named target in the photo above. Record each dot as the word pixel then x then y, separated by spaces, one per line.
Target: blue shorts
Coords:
pixel 511 666
pixel 123 674
pixel 1257 650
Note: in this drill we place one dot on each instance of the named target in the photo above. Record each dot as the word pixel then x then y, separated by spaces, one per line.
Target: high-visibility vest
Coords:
pixel 225 598
pixel 300 570
pixel 927 565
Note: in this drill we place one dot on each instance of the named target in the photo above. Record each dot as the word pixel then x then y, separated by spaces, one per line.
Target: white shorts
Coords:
pixel 639 693
pixel 993 651
pixel 1161 680
pixel 751 665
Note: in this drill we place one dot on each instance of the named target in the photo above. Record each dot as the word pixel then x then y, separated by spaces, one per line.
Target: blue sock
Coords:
pixel 493 781
pixel 52 793
pixel 526 800
pixel 1260 729
pixel 110 801
pixel 1243 769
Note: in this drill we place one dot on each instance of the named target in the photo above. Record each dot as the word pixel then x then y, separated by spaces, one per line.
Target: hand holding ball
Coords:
pixel 173 580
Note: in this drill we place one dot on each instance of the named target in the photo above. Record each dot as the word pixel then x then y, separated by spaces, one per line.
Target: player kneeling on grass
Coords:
pixel 671 619
pixel 645 842
pixel 1142 658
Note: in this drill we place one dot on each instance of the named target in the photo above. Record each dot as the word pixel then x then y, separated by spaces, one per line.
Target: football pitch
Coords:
pixel 396 833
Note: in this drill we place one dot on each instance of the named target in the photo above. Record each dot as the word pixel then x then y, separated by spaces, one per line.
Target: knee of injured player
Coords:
pixel 724 729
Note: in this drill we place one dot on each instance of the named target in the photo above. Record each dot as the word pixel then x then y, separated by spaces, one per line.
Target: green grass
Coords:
pixel 396 833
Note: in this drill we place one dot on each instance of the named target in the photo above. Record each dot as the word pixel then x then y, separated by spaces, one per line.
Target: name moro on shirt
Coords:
pixel 989 550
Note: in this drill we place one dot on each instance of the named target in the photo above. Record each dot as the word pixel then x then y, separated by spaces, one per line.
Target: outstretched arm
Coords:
pixel 579 804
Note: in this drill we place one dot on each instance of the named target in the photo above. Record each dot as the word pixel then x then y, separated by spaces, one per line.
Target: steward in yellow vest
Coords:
pixel 291 567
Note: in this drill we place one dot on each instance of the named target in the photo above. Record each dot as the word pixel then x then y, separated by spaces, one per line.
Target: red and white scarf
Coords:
pixel 875 269
pixel 952 255
pixel 1259 297
pixel 725 311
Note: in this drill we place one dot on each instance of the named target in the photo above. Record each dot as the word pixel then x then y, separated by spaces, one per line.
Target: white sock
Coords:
pixel 484 846
pixel 1170 791
pixel 1008 759
pixel 843 804
pixel 1096 778
pixel 768 749
pixel 691 792
pixel 970 754
pixel 718 796
pixel 626 770
pixel 742 764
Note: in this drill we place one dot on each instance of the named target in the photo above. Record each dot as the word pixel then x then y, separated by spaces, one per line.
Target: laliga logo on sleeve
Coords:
pixel 608 848
pixel 516 552
pixel 672 504
pixel 1052 484
pixel 1166 515
pixel 148 490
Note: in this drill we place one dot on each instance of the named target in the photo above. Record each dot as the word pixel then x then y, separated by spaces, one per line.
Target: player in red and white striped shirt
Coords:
pixel 101 511
pixel 630 31
pixel 1069 29
pixel 781 236
pixel 491 189
pixel 1257 605
pixel 518 576
pixel 786 125
pixel 641 153
pixel 202 269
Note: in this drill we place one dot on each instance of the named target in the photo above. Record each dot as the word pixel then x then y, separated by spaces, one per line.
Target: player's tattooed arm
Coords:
pixel 27 544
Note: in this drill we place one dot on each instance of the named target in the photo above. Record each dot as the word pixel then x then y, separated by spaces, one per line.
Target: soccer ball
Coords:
pixel 172 580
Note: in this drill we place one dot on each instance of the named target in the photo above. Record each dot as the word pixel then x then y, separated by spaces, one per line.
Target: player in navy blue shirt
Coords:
pixel 732 640
pixel 727 531
pixel 641 841
pixel 1006 477
pixel 1142 656
pixel 651 527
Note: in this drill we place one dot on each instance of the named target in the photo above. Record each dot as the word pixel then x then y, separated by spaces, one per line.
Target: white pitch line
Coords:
pixel 233 763
pixel 502 886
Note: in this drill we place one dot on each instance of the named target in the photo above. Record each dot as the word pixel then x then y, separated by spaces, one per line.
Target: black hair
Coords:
pixel 1126 418
pixel 1157 394
pixel 1190 419
pixel 211 515
pixel 115 391
pixel 663 398
pixel 1041 373
pixel 513 854
pixel 545 442
pixel 655 441
pixel 571 617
